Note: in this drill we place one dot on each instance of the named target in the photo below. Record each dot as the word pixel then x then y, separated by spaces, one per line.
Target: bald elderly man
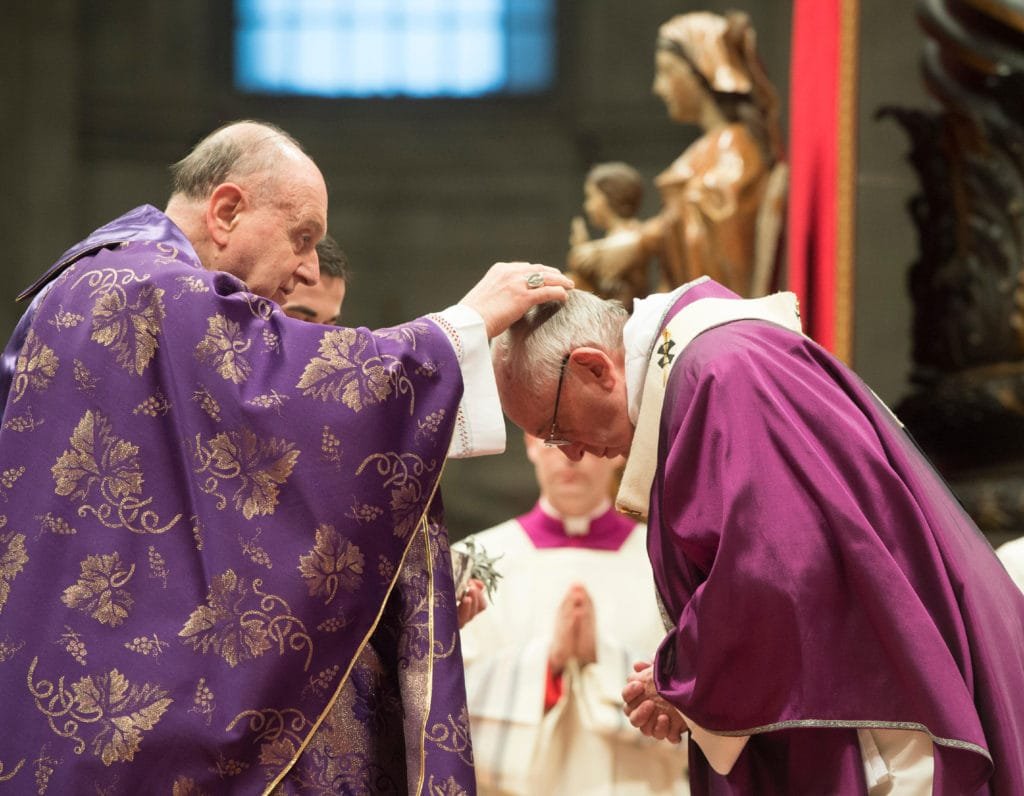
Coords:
pixel 223 564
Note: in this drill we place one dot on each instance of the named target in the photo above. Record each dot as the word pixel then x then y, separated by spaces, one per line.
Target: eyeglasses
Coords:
pixel 554 439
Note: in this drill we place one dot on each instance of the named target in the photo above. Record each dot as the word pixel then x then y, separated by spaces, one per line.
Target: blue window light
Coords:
pixel 387 48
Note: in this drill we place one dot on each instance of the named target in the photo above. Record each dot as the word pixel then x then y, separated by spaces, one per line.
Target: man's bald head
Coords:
pixel 247 152
pixel 253 204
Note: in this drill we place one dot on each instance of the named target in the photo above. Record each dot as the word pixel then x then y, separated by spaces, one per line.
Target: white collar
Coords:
pixel 638 339
pixel 575 526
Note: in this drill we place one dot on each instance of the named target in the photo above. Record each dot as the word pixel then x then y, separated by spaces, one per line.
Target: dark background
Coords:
pixel 97 98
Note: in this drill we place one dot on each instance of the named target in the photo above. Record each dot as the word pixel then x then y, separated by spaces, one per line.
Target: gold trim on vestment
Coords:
pixel 858 724
pixel 430 659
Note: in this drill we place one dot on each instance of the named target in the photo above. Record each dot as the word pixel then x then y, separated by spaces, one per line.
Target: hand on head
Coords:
pixel 505 293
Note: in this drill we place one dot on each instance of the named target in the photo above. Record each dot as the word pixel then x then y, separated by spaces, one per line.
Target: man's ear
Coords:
pixel 593 364
pixel 225 205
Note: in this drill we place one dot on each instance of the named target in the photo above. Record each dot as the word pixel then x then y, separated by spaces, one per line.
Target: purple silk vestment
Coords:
pixel 223 567
pixel 821 577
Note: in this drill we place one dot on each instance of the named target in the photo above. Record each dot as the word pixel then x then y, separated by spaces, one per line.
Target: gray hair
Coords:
pixel 235 151
pixel 532 349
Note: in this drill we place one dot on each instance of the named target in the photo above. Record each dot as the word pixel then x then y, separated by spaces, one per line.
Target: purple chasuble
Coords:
pixel 223 566
pixel 607 531
pixel 821 577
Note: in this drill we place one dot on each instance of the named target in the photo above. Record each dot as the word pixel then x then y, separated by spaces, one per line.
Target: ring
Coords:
pixel 535 280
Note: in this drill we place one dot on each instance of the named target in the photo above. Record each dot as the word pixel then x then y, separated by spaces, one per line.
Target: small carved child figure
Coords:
pixel 612 195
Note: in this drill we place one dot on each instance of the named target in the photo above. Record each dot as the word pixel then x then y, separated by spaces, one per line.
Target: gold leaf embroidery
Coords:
pixel 9 648
pixel 8 478
pixel 157 566
pixel 202 700
pixel 363 513
pixel 447 787
pixel 341 373
pixel 332 563
pixel 454 736
pixel 154 405
pixel 147 645
pixel 385 567
pixel 260 467
pixel 281 732
pixel 222 348
pixel 271 400
pixel 25 422
pixel 84 379
pixel 65 320
pixel 239 622
pixel 131 330
pixel 13 558
pixel 10 775
pixel 207 403
pixel 98 591
pixel 427 428
pixel 190 284
pixel 45 766
pixel 402 472
pixel 73 645
pixel 119 710
pixel 318 685
pixel 228 767
pixel 55 525
pixel 271 341
pixel 97 458
pixel 330 447
pixel 254 552
pixel 185 786
pixel 35 367
pixel 333 624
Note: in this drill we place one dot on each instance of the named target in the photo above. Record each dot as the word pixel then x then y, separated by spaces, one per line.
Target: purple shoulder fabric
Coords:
pixel 223 565
pixel 822 578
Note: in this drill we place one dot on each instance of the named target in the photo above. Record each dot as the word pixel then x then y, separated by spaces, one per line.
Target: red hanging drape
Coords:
pixel 822 127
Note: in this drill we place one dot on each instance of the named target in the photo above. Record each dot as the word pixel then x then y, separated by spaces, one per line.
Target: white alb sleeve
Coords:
pixel 479 423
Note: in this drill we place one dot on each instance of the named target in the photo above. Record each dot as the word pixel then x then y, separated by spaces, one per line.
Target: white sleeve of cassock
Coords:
pixel 479 424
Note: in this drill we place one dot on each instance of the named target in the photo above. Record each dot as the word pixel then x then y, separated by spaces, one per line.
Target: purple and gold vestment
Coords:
pixel 223 566
pixel 821 577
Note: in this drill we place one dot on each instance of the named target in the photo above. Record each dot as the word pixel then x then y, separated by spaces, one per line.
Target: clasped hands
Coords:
pixel 575 634
pixel 647 710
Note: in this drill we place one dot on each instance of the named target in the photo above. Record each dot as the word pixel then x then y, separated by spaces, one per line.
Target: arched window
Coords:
pixel 383 48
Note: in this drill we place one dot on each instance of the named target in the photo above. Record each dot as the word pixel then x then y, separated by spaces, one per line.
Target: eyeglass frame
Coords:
pixel 553 440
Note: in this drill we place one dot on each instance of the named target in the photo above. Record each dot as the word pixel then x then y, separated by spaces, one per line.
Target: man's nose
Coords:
pixel 308 271
pixel 572 452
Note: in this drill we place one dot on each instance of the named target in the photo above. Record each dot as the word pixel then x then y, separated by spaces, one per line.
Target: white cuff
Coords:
pixel 479 424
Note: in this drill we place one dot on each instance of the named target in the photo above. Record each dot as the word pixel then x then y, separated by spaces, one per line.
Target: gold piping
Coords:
pixel 430 665
pixel 953 743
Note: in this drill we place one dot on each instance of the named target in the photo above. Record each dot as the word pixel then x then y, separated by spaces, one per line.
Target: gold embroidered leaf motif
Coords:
pixel 277 753
pixel 223 347
pixel 184 786
pixel 222 625
pixel 97 456
pixel 35 367
pixel 261 465
pixel 13 558
pixel 332 563
pixel 98 591
pixel 125 712
pixel 341 373
pixel 131 330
